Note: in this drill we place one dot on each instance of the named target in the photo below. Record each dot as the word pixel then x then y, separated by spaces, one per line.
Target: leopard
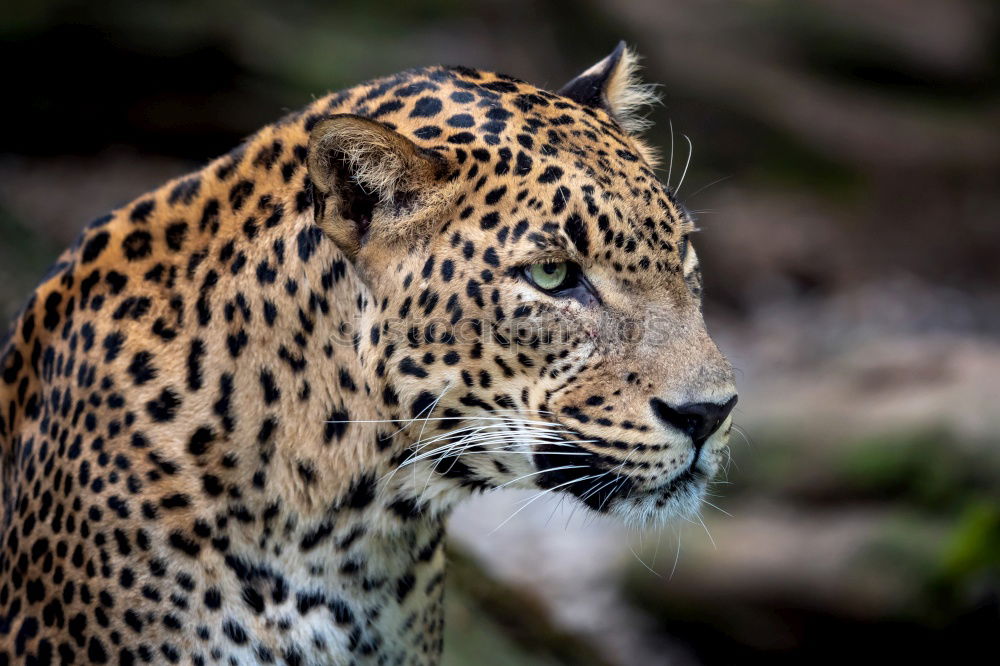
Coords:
pixel 236 414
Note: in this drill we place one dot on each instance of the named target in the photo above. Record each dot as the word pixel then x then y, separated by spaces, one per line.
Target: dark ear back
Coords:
pixel 368 179
pixel 613 85
pixel 590 87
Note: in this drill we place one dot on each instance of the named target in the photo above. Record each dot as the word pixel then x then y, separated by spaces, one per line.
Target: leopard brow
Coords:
pixel 546 257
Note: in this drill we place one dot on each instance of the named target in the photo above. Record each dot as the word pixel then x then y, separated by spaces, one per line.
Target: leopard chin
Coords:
pixel 678 499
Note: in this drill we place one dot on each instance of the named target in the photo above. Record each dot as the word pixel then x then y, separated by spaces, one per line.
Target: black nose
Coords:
pixel 698 419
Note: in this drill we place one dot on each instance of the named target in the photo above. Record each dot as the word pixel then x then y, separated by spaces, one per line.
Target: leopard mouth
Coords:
pixel 592 478
pixel 600 482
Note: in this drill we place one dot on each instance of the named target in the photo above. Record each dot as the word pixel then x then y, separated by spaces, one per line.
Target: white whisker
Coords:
pixel 707 532
pixel 656 550
pixel 541 471
pixel 686 165
pixel 541 494
pixel 469 442
pixel 670 165
pixel 617 471
pixel 677 556
pixel 723 511
pixel 648 568
pixel 705 187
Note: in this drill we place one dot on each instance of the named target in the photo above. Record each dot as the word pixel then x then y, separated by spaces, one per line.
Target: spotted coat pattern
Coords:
pixel 205 457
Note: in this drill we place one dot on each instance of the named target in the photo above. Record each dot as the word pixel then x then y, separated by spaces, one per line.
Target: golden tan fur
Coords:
pixel 236 414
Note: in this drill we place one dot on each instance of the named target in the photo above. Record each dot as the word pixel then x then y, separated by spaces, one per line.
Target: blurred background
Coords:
pixel 845 171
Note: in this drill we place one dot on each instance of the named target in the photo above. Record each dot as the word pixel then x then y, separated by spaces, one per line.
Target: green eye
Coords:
pixel 561 279
pixel 549 276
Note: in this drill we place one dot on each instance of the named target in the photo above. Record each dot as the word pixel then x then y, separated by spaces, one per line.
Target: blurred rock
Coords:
pixel 55 197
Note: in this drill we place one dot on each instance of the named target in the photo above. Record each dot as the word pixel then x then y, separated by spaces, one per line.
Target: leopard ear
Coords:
pixel 370 181
pixel 613 84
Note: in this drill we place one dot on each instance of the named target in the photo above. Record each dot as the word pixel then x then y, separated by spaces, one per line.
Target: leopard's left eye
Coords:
pixel 549 277
pixel 562 279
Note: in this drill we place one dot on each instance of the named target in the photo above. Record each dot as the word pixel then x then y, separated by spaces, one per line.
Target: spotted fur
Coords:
pixel 235 415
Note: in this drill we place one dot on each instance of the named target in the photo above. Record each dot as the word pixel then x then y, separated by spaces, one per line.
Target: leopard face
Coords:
pixel 536 299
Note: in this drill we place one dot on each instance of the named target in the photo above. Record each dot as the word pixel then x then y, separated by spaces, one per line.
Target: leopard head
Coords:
pixel 533 300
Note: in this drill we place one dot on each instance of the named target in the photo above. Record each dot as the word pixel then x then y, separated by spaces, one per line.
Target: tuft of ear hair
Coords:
pixel 613 84
pixel 371 181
